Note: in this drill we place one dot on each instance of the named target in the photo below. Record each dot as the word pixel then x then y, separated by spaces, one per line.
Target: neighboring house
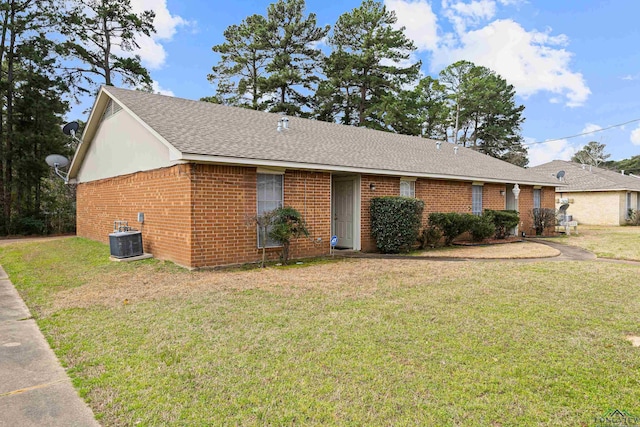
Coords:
pixel 595 196
pixel 200 172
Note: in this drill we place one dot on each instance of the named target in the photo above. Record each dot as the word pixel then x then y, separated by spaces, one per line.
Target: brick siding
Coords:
pixel 203 215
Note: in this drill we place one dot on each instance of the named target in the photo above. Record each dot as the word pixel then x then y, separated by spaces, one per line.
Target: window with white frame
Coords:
pixel 476 199
pixel 270 197
pixel 537 193
pixel 407 188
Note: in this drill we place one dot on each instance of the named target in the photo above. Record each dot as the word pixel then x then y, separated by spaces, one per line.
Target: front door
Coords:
pixel 511 203
pixel 343 217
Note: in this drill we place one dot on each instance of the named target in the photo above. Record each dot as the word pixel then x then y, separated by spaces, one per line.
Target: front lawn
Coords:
pixel 607 242
pixel 353 342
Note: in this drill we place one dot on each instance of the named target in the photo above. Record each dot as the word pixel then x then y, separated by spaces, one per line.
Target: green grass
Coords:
pixel 608 242
pixel 366 342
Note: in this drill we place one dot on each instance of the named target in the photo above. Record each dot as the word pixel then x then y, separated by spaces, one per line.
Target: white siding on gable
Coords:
pixel 122 146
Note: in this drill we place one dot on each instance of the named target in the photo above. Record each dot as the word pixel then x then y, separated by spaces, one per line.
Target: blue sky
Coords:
pixel 575 64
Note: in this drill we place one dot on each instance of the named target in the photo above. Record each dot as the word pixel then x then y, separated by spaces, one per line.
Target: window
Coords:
pixel 270 197
pixel 627 216
pixel 407 188
pixel 476 199
pixel 536 198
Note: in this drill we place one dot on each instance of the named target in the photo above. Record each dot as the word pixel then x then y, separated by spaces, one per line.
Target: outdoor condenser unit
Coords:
pixel 124 242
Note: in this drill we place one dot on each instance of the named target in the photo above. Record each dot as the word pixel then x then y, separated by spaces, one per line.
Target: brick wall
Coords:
pixel 224 205
pixel 447 196
pixel 201 215
pixel 163 195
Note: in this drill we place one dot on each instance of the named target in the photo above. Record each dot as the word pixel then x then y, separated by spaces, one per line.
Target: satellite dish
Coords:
pixel 57 161
pixel 70 128
pixel 560 175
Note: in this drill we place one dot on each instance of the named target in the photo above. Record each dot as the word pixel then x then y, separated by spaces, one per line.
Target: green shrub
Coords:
pixel 451 224
pixel 395 223
pixel 481 227
pixel 429 237
pixel 286 223
pixel 633 217
pixel 504 221
pixel 27 225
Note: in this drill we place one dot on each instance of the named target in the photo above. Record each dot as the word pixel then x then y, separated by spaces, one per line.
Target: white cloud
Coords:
pixel 155 86
pixel 420 21
pixel 554 150
pixel 151 50
pixel 635 136
pixel 532 61
pixel 590 128
pixel 463 14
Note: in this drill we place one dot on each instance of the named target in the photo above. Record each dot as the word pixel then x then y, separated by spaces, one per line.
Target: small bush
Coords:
pixel 504 221
pixel 429 237
pixel 633 217
pixel 286 223
pixel 481 227
pixel 27 226
pixel 395 223
pixel 451 224
pixel 543 218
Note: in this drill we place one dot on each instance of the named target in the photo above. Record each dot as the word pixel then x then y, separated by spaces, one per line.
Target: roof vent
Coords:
pixel 283 123
pixel 622 171
pixel 438 144
pixel 455 150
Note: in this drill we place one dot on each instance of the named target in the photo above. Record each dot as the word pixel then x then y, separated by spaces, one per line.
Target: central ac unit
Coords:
pixel 125 244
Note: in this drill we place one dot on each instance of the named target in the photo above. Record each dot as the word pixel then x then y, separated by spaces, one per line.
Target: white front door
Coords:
pixel 343 218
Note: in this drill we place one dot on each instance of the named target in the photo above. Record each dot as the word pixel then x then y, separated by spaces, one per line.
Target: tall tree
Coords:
pixel 31 110
pixel 291 42
pixel 484 114
pixel 240 73
pixel 421 111
pixel 99 35
pixel 591 154
pixel 366 64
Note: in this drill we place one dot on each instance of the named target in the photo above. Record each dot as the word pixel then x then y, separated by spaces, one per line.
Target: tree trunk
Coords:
pixel 107 50
pixel 8 154
pixel 3 219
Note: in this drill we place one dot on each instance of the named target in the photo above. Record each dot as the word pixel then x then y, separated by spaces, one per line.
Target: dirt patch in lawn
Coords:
pixel 345 278
pixel 521 250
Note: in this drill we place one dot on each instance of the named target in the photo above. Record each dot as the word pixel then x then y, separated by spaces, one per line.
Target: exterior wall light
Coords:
pixel 516 191
pixel 372 187
pixel 502 192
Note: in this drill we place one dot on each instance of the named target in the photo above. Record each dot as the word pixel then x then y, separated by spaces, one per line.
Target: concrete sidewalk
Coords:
pixel 34 388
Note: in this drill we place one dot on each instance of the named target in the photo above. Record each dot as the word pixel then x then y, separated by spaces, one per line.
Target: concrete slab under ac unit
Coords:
pixel 131 258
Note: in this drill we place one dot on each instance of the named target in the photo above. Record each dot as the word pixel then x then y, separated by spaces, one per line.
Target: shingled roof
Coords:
pixel 202 131
pixel 588 178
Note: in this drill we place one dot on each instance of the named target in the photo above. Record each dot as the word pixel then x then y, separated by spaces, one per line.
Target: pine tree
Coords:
pixel 240 73
pixel 95 30
pixel 365 65
pixel 291 40
pixel 483 112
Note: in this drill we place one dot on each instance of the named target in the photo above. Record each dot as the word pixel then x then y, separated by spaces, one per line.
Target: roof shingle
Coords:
pixel 203 128
pixel 590 178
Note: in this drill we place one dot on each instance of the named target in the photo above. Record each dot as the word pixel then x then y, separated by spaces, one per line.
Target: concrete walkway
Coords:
pixel 34 388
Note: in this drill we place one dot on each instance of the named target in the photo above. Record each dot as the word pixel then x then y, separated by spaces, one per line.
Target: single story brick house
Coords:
pixel 199 172
pixel 595 196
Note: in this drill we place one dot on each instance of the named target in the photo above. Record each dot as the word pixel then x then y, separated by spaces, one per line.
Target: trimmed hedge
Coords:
pixel 451 224
pixel 503 220
pixel 481 227
pixel 395 223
